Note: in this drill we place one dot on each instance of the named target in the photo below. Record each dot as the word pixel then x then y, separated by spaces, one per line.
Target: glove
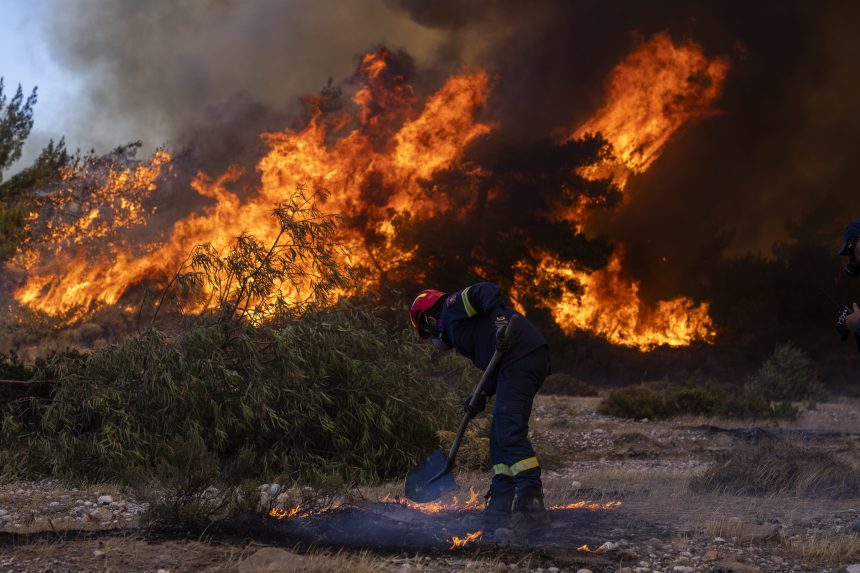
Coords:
pixel 480 405
pixel 501 324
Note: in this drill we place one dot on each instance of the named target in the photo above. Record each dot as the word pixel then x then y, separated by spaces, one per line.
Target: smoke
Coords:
pixel 776 164
pixel 175 72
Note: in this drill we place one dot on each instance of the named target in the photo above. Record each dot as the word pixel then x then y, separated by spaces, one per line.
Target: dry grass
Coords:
pixel 833 551
pixel 737 530
pixel 474 452
pixel 620 481
pixel 780 468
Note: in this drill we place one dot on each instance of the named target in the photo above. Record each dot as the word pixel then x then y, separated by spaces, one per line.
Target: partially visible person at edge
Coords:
pixel 473 322
pixel 851 249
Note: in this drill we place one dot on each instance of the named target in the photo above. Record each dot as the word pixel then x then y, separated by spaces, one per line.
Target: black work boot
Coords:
pixel 496 512
pixel 529 512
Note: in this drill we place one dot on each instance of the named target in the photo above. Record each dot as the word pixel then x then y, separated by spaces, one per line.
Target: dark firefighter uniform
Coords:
pixel 468 322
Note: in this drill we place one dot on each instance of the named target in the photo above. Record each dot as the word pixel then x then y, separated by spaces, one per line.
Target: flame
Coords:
pixel 589 505
pixel 611 308
pixel 364 180
pixel 584 548
pixel 475 501
pixel 286 513
pixel 657 89
pixel 371 161
pixel 468 538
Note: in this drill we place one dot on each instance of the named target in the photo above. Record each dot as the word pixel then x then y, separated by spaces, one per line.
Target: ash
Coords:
pixel 391 526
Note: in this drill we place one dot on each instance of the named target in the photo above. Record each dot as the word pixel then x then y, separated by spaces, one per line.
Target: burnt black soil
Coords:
pixel 392 527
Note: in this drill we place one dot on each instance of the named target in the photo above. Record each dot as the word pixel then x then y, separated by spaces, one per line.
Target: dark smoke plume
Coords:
pixel 785 141
pixel 773 170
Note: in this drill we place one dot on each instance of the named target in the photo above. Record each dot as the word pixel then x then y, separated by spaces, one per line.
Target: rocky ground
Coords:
pixel 664 523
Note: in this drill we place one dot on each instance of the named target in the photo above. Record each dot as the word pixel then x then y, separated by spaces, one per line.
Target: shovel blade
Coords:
pixel 420 488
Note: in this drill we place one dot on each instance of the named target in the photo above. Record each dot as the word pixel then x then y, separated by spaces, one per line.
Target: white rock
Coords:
pixel 54 504
pixel 719 540
pixel 271 559
pixel 855 568
pixel 4 512
pixel 553 570
pixel 608 546
pixel 105 500
pixel 274 490
pixel 583 571
pixel 575 484
pixel 89 503
pixel 98 553
pixel 163 571
pixel 682 569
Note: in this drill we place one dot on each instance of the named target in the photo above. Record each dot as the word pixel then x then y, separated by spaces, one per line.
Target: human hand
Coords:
pixel 501 324
pixel 852 319
pixel 480 405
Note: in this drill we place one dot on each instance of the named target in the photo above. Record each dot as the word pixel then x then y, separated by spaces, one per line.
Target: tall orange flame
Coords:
pixel 363 180
pixel 657 89
pixel 372 171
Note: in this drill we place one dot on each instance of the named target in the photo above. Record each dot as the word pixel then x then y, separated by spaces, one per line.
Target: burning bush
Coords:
pixel 269 380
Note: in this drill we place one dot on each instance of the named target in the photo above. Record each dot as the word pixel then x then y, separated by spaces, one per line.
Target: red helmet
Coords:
pixel 422 303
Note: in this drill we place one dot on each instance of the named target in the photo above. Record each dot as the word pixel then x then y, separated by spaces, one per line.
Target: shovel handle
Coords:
pixel 467 417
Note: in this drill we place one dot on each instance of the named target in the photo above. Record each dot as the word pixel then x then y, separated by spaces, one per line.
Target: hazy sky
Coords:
pixel 26 59
pixel 113 71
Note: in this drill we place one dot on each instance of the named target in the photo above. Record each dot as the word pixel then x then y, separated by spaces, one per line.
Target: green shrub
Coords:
pixel 711 400
pixel 746 406
pixel 634 402
pixel 787 374
pixel 332 393
pixel 700 401
pixel 12 368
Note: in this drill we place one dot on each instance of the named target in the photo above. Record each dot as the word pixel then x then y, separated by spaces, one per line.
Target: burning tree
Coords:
pixel 500 218
pixel 427 192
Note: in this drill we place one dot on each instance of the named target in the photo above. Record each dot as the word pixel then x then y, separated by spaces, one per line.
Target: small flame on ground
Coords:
pixel 475 501
pixel 584 548
pixel 468 538
pixel 297 511
pixel 589 505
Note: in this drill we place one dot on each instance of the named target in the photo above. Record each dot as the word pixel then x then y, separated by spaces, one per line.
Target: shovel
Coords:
pixel 432 478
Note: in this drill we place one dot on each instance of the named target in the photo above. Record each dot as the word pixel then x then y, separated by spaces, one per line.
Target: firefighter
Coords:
pixel 473 321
